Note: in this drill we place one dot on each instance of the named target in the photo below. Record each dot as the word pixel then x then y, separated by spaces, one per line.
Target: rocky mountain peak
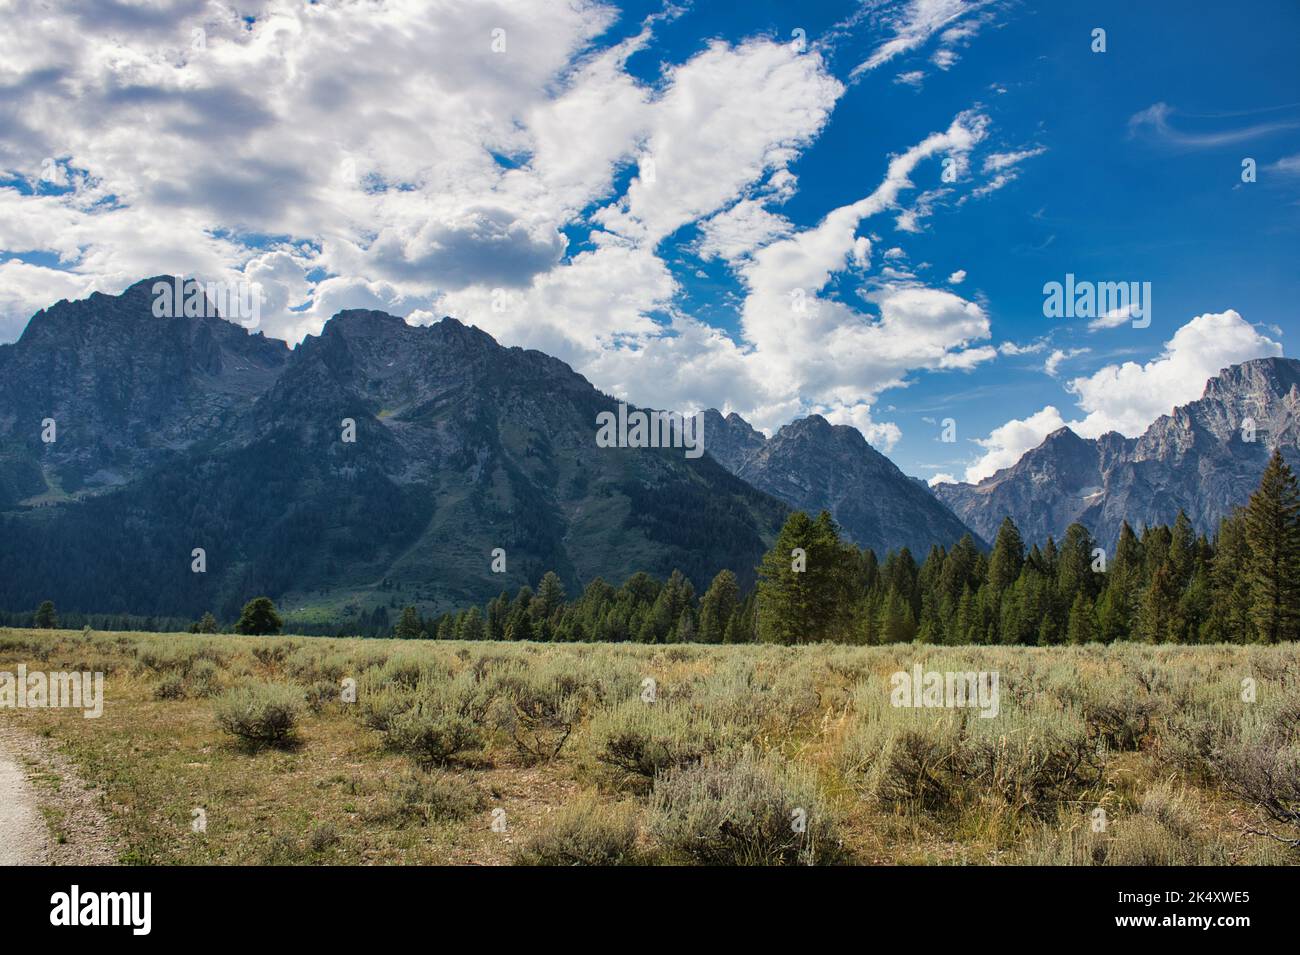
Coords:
pixel 1063 456
pixel 124 388
pixel 1204 457
pixel 814 465
pixel 812 424
pixel 364 323
pixel 730 440
pixel 1275 375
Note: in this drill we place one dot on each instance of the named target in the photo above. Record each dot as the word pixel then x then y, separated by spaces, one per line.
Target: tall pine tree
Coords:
pixel 719 603
pixel 1008 556
pixel 1273 537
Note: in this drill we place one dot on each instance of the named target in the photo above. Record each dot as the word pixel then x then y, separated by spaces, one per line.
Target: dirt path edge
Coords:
pixel 48 814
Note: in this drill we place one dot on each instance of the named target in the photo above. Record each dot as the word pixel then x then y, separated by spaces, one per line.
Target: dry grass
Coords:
pixel 1159 738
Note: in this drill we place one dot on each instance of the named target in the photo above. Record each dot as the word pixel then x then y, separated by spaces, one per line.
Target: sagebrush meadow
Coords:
pixel 479 752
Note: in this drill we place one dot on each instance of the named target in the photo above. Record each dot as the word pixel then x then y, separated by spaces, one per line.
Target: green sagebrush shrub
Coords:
pixel 749 810
pixel 260 712
pixel 170 687
pixel 437 722
pixel 539 707
pixel 1033 756
pixel 436 796
pixel 204 679
pixel 1161 832
pixel 585 833
pixel 636 741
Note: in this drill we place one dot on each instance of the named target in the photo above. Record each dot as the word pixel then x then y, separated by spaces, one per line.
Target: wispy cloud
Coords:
pixel 1012 349
pixel 916 22
pixel 1059 355
pixel 1154 121
pixel 1287 165
pixel 1112 319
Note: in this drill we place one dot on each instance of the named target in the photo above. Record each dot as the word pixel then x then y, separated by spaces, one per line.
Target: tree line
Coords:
pixel 1166 584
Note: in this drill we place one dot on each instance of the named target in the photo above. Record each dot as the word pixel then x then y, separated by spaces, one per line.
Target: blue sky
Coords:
pixel 688 204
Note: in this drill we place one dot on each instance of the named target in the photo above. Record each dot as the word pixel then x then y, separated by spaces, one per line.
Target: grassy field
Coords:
pixel 492 753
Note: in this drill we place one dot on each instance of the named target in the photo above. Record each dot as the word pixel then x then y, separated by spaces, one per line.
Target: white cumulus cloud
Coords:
pixel 1128 397
pixel 492 161
pixel 1008 442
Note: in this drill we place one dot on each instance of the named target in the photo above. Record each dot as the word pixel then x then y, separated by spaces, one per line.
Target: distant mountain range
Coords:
pixel 1205 458
pixel 128 441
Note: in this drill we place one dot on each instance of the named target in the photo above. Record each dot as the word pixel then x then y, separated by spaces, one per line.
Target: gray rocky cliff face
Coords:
pixel 813 465
pixel 124 390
